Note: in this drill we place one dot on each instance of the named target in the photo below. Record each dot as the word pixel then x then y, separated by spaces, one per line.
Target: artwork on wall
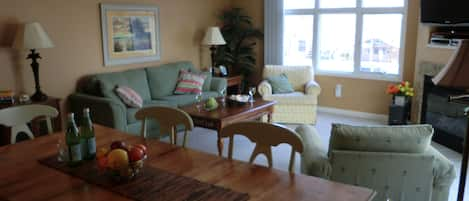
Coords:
pixel 130 33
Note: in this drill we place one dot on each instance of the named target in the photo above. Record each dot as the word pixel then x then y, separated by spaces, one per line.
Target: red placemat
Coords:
pixel 151 185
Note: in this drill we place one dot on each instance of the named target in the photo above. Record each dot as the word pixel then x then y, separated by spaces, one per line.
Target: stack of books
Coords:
pixel 6 97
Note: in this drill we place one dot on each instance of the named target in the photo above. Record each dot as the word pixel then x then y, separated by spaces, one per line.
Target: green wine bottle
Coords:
pixel 73 142
pixel 87 136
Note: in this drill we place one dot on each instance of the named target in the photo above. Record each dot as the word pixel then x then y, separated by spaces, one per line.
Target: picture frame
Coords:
pixel 130 33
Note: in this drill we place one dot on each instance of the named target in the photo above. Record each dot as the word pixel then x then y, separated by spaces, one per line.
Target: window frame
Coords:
pixel 359 11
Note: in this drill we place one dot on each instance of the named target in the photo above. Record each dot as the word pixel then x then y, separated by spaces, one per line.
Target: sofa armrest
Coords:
pixel 104 111
pixel 264 88
pixel 218 84
pixel 314 159
pixel 312 88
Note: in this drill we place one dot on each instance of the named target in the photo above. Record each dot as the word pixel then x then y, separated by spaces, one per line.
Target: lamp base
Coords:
pixel 38 96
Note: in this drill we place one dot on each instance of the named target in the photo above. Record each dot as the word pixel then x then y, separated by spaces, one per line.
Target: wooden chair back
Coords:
pixel 265 136
pixel 168 118
pixel 19 116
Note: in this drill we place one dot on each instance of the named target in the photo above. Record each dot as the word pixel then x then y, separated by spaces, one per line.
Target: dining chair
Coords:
pixel 19 116
pixel 265 135
pixel 168 118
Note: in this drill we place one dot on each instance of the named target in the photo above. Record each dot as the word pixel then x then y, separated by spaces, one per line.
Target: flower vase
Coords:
pixel 400 100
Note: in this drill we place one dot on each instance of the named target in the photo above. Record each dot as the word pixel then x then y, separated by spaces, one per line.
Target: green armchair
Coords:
pixel 397 162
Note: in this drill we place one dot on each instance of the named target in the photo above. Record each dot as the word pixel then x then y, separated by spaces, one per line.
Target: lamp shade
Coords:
pixel 32 37
pixel 213 36
pixel 455 73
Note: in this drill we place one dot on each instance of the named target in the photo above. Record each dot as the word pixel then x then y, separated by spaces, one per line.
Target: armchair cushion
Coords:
pixel 280 84
pixel 298 75
pixel 295 98
pixel 402 139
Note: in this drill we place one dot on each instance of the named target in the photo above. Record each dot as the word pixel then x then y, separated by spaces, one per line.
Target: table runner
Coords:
pixel 152 184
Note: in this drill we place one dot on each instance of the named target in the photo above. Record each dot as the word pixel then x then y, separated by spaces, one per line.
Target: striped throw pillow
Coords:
pixel 129 96
pixel 189 83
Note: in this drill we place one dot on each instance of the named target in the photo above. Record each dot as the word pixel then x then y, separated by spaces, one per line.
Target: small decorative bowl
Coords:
pixel 238 99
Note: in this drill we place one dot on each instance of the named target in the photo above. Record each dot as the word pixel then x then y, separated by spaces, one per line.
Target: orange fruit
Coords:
pixel 117 159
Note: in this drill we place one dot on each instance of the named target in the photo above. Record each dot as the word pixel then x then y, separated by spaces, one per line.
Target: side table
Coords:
pixel 35 124
pixel 234 84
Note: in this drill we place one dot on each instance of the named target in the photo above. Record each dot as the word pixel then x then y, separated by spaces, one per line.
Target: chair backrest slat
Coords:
pixel 168 118
pixel 265 136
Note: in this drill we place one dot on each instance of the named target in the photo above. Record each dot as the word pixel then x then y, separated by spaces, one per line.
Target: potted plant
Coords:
pixel 241 38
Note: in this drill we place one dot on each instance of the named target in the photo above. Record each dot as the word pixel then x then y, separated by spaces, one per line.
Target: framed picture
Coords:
pixel 130 33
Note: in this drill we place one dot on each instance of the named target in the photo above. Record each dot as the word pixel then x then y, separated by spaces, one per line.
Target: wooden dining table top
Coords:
pixel 23 178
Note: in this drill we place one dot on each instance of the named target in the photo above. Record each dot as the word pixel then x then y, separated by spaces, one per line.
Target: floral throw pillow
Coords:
pixel 129 96
pixel 189 83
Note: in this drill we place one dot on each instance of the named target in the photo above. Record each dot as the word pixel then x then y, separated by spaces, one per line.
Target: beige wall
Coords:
pixel 74 27
pixel 358 94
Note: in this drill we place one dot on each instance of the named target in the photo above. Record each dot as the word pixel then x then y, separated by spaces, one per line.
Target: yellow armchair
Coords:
pixel 299 106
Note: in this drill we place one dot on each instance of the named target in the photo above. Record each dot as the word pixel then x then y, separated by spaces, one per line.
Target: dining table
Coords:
pixel 22 177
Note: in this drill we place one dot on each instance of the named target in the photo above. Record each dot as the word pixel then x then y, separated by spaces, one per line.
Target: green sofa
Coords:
pixel 154 84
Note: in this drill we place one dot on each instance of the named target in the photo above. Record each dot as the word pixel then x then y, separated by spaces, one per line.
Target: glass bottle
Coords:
pixel 87 136
pixel 72 139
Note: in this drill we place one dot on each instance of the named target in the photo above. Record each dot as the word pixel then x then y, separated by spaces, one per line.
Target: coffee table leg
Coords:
pixel 219 140
pixel 269 117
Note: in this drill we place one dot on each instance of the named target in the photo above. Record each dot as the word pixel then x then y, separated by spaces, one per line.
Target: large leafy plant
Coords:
pixel 241 38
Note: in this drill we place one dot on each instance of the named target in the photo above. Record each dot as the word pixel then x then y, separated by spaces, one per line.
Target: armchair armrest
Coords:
pixel 218 84
pixel 105 111
pixel 312 88
pixel 314 159
pixel 264 88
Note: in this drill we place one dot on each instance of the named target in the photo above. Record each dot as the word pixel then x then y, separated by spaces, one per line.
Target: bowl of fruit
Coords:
pixel 122 162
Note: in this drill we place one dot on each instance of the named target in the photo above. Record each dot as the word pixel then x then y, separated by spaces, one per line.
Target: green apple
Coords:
pixel 211 103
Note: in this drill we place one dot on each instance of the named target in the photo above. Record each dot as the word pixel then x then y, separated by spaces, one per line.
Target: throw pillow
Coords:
pixel 280 84
pixel 403 139
pixel 189 83
pixel 129 96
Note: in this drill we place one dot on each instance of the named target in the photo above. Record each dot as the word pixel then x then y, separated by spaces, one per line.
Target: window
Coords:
pixel 357 38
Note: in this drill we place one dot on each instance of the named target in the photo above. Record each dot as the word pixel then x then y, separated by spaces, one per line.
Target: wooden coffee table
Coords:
pixel 223 116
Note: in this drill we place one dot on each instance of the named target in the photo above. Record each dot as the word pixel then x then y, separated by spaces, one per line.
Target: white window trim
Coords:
pixel 359 11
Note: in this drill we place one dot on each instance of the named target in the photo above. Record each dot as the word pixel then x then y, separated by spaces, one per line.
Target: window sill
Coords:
pixel 364 76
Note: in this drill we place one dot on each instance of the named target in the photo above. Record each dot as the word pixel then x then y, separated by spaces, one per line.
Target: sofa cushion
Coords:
pixel 280 84
pixel 163 79
pixel 131 111
pixel 207 82
pixel 402 139
pixel 129 97
pixel 190 83
pixel 183 100
pixel 135 79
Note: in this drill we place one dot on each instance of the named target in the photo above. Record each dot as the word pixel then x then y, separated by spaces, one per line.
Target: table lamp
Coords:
pixel 455 75
pixel 31 38
pixel 213 38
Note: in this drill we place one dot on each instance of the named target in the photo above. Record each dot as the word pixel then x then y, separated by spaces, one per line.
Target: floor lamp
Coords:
pixel 456 75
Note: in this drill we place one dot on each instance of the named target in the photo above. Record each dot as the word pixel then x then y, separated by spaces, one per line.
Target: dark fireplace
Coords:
pixel 447 118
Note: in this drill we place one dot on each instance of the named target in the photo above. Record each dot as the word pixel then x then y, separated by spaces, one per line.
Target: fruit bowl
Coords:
pixel 127 173
pixel 122 163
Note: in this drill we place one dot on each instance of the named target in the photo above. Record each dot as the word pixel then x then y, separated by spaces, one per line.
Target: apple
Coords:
pixel 142 147
pixel 118 145
pixel 136 154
